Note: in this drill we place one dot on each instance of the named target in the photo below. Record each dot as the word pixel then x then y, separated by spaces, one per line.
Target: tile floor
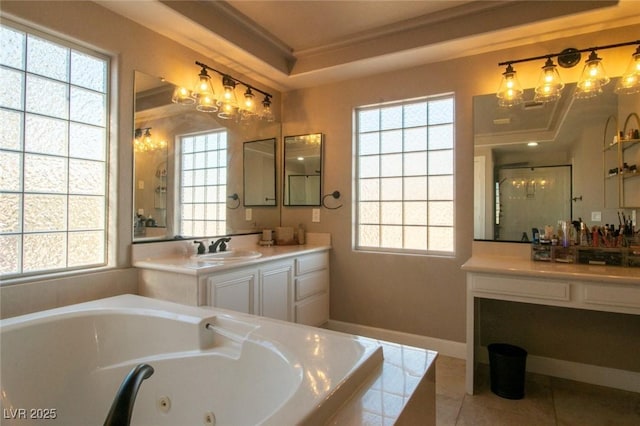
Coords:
pixel 547 401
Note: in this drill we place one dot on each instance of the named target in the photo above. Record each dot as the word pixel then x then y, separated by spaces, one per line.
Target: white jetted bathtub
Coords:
pixel 64 366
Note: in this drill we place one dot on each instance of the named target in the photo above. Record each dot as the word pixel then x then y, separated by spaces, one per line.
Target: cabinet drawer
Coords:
pixel 313 311
pixel 313 283
pixel 612 295
pixel 312 262
pixel 516 286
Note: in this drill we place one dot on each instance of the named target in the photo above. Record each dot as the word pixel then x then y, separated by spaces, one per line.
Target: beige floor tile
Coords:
pixel 480 415
pixel 447 410
pixel 583 404
pixel 450 377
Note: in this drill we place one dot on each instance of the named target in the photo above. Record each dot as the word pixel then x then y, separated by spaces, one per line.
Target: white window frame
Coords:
pixel 365 216
pixel 105 227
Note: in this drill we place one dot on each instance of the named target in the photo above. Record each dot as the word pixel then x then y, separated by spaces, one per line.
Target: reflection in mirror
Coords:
pixel 303 170
pixel 565 136
pixel 259 160
pixel 199 168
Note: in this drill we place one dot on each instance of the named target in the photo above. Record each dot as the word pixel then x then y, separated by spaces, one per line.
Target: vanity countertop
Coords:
pixel 519 266
pixel 190 265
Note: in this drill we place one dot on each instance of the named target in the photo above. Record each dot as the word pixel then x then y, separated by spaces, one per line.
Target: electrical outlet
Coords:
pixel 596 216
pixel 248 214
pixel 315 215
pixel 140 184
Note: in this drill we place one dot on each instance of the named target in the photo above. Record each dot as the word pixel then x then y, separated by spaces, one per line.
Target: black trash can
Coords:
pixel 507 366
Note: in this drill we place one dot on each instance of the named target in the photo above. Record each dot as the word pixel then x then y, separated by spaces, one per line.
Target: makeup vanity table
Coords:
pixel 518 279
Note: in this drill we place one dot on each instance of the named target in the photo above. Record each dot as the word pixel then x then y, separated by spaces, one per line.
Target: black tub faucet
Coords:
pixel 219 245
pixel 122 407
pixel 201 248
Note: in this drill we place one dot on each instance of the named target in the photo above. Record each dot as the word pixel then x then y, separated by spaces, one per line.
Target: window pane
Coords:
pixel 441 187
pixel 441 213
pixel 441 162
pixel 44 251
pixel 12 47
pixel 415 115
pixel 391 165
pixel 368 120
pixel 86 212
pixel 86 177
pixel 369 235
pixel 86 248
pixel 441 111
pixel 415 163
pixel 45 174
pixel 440 239
pixel 441 137
pixel 391 189
pixel 198 194
pixel 47 97
pixel 10 249
pixel 415 188
pixel 11 129
pixel 87 107
pixel 391 213
pixel 44 212
pixel 415 237
pixel 369 189
pixel 369 212
pixel 198 160
pixel 415 213
pixel 391 141
pixel 11 84
pixel 10 165
pixel 10 212
pixel 45 135
pixel 88 71
pixel 369 166
pixel 87 142
pixel 47 59
pixel 391 118
pixel 415 139
pixel 391 236
pixel 369 144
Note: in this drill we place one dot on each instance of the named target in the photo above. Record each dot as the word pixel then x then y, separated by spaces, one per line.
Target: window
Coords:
pixel 404 176
pixel 203 184
pixel 53 154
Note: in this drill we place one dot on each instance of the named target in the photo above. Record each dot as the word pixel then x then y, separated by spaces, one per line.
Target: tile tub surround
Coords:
pixel 331 375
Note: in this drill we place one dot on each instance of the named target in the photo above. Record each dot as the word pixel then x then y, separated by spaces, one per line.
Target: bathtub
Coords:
pixel 64 366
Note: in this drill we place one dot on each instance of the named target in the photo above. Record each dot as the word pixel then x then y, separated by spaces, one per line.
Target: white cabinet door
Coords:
pixel 233 291
pixel 275 291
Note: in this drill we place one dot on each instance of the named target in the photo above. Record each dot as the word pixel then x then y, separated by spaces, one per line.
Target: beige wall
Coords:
pixel 414 294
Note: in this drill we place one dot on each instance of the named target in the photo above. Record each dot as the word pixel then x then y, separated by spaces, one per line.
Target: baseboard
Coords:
pixel 587 373
pixel 444 347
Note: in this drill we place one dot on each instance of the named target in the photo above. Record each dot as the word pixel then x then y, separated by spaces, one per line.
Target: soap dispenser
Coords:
pixel 300 234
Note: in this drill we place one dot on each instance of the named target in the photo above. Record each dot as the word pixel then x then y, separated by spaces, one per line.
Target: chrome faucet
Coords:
pixel 219 245
pixel 122 407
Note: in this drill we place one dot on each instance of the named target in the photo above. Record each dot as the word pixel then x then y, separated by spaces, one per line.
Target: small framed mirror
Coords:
pixel 303 169
pixel 259 172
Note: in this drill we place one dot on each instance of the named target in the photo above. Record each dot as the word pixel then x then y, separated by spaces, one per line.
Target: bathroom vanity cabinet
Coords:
pixel 286 283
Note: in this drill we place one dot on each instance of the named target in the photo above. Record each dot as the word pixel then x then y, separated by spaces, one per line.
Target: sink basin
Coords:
pixel 228 256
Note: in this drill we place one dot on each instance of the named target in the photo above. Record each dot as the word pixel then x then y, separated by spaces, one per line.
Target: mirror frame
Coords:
pixel 287 141
pixel 268 202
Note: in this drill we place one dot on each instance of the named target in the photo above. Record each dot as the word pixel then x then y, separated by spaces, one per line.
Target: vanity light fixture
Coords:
pixel 225 103
pixel 550 86
pixel 144 142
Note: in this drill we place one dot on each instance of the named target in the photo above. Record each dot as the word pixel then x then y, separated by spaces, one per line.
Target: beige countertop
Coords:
pixel 527 267
pixel 192 265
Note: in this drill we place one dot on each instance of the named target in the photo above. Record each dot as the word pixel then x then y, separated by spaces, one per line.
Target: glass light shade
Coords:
pixel 249 104
pixel 550 85
pixel 592 79
pixel 182 96
pixel 267 114
pixel 228 102
pixel 629 83
pixel 510 91
pixel 204 93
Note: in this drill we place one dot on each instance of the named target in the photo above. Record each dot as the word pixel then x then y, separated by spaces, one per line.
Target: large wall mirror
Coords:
pixel 187 165
pixel 538 163
pixel 260 173
pixel 303 169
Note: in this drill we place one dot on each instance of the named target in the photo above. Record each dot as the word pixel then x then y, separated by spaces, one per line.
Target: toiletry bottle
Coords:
pixel 300 234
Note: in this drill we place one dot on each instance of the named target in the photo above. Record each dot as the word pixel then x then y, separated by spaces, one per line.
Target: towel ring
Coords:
pixel 234 197
pixel 334 194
